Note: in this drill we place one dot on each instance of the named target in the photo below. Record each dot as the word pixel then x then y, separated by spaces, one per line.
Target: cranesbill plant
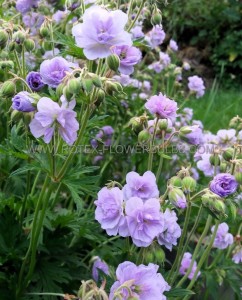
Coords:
pixel 109 187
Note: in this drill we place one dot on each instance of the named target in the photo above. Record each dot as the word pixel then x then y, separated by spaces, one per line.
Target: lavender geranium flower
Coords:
pixel 157 66
pixel 34 81
pixel 24 6
pixel 223 184
pixel 237 255
pixel 98 266
pixel 171 231
pixel 137 32
pixel 162 107
pixel 205 166
pixel 50 116
pixel 177 198
pixel 143 281
pixel 144 220
pixel 195 84
pixel 23 102
pixel 54 70
pixel 223 238
pixel 33 21
pixel 144 187
pixel 156 36
pixel 185 264
pixel 129 56
pixel 59 15
pixel 226 137
pixel 165 59
pixel 173 45
pixel 194 137
pixel 101 29
pixel 109 211
pixel 105 134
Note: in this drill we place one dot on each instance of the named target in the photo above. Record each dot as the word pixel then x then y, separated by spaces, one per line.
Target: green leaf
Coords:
pixel 162 154
pixel 179 292
pixel 24 169
pixel 69 42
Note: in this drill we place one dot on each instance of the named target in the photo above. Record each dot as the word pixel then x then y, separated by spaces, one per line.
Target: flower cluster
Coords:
pixel 135 211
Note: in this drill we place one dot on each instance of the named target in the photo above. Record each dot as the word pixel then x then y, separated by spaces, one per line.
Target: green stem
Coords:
pixel 161 159
pixel 37 235
pixel 25 197
pixel 130 8
pixel 180 245
pixel 203 258
pixel 217 258
pixel 17 62
pixel 150 159
pixel 72 152
pixel 35 183
pixel 137 15
pixel 233 164
pixel 205 231
pixel 186 245
pixel 36 212
pixel 48 294
pixel 23 63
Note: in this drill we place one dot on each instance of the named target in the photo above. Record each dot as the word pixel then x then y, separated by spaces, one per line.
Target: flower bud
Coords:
pixel 236 123
pixel 143 136
pixel 177 198
pixel 3 39
pixel 100 96
pixel 74 85
pixel 6 64
pixel 47 46
pixel 219 206
pixel 8 89
pixel 185 130
pixel 149 257
pixel 223 167
pixel 29 45
pixel 163 124
pixel 59 90
pixel 111 87
pixel 214 160
pixel 228 154
pixel 175 181
pixel 113 62
pixel 214 203
pixel 72 4
pixel 67 94
pixel 188 184
pixel 11 46
pixel 96 81
pixel 27 118
pixel 87 85
pixel 44 30
pixel 160 255
pixel 156 19
pixel 18 48
pixel 16 116
pixel 19 37
pixel 238 177
pixel 136 124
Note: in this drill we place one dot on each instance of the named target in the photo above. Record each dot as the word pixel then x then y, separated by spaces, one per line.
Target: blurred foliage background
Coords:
pixel 209 31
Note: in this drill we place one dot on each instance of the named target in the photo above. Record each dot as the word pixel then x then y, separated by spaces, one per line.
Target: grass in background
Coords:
pixel 217 108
